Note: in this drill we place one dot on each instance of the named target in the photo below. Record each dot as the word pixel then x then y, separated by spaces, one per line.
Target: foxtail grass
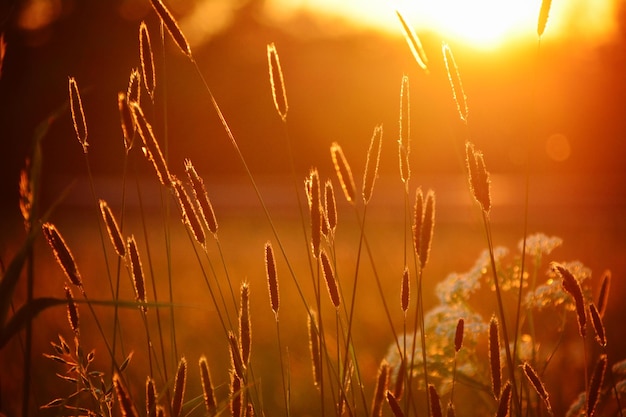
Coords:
pixel 147 60
pixel 72 311
pixel 394 405
pixel 208 392
pixel 343 171
pixel 151 146
pixel 597 324
pixel 202 198
pixel 458 93
pixel 382 382
pixel 179 388
pixel 236 394
pixel 572 287
pixel 78 114
pixel 126 120
pixel 245 330
pixel 603 297
pixel 538 385
pixel 504 403
pixel 330 206
pixel 414 43
pixel 188 211
pixel 133 91
pixel 543 17
pixel 405 291
pixel 172 27
pixel 371 163
pixel 137 275
pixel 113 229
pixel 595 385
pixel 151 398
pixel 435 402
pixel 494 357
pixel 277 82
pixel 62 254
pixel 404 137
pixel 127 407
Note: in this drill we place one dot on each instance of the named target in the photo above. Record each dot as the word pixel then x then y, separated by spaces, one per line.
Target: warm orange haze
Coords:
pixel 312 208
pixel 482 24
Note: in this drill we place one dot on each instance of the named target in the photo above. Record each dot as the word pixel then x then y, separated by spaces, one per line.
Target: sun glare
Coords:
pixel 485 24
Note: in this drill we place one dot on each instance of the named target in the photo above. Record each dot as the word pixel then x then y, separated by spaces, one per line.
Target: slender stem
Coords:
pixel 507 340
pixel 282 370
pixel 28 343
pixel 253 182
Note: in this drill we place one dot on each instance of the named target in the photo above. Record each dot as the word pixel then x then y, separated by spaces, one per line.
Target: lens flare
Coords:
pixel 485 24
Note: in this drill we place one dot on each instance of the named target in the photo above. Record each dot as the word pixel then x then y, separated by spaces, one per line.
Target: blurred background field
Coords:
pixel 564 104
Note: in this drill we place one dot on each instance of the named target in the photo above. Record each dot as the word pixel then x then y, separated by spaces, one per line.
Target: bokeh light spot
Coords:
pixel 37 14
pixel 558 147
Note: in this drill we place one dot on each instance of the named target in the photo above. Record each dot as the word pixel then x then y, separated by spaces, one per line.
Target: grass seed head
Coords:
pixel 458 94
pixel 153 151
pixel 427 229
pixel 543 17
pixel 136 270
pixel 235 355
pixel 537 384
pixel 572 287
pixel 147 60
pixel 78 114
pixel 595 385
pixel 62 253
pixel 603 297
pixel 277 82
pixel 112 228
pixel 272 277
pixel 188 211
pixel 382 382
pixel 504 402
pixel 396 409
pixel 330 206
pixel 202 198
pixel 418 220
pixel 314 346
pixel 404 139
pixel 344 173
pixel 414 43
pixel 598 325
pixel 458 335
pixel 72 311
pixel 315 211
pixel 245 331
pixel 179 387
pixel 236 394
pixel 398 389
pixel 494 357
pixel 405 292
pixel 435 401
pixel 331 282
pixel 172 27
pixel 478 177
pixel 133 92
pixel 127 408
pixel 151 398
pixel 207 387
pixel 371 163
pixel 26 194
pixel 126 120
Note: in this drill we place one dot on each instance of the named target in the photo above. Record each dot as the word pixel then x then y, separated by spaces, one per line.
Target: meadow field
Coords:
pixel 367 251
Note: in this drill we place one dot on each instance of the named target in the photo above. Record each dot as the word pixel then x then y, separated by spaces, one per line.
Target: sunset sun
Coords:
pixel 483 24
